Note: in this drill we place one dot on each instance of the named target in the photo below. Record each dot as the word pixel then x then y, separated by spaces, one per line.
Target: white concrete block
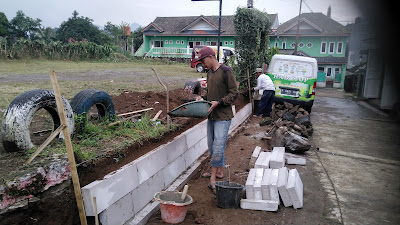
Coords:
pixel 173 170
pixel 176 147
pixel 264 185
pixel 145 192
pixel 254 156
pixel 119 212
pixel 260 160
pixel 257 183
pixel 267 159
pixel 296 161
pixel 195 134
pixel 249 184
pixel 280 157
pixel 295 189
pixel 273 185
pixel 151 163
pixel 193 153
pixel 264 205
pixel 282 182
pixel 111 189
pixel 272 161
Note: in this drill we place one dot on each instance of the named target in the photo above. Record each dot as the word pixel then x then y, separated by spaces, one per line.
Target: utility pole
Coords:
pixel 297 32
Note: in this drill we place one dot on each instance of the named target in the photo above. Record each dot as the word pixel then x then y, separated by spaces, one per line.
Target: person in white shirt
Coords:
pixel 266 88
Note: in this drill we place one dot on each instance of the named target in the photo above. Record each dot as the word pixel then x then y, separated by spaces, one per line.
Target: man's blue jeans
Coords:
pixel 217 134
pixel 264 107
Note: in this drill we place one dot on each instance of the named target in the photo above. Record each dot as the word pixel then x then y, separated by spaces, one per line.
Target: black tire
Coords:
pixel 199 68
pixel 19 114
pixel 84 100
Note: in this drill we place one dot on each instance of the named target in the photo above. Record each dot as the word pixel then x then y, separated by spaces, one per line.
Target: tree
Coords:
pixel 4 25
pixel 79 28
pixel 114 31
pixel 329 12
pixel 251 40
pixel 23 26
pixel 137 36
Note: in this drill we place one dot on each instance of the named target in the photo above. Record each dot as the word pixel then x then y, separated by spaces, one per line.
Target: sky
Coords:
pixel 54 12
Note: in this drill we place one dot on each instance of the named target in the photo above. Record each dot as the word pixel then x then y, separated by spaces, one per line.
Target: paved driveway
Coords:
pixel 358 160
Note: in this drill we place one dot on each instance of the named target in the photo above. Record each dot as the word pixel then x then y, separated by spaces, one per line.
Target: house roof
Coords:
pixel 181 25
pixel 318 25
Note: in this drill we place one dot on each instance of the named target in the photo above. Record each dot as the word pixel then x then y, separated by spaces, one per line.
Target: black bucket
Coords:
pixel 228 194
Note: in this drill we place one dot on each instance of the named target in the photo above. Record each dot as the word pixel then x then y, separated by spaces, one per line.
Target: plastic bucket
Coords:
pixel 228 194
pixel 173 210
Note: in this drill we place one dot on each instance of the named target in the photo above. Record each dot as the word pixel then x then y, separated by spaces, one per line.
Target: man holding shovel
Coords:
pixel 221 91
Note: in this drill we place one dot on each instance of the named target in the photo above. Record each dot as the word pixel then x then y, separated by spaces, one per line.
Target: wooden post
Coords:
pixel 68 145
pixel 250 98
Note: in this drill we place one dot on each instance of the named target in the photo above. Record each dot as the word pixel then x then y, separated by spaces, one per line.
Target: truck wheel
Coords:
pixel 19 114
pixel 199 68
pixel 86 99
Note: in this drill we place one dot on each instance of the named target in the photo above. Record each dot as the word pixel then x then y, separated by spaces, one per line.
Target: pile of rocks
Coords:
pixel 290 127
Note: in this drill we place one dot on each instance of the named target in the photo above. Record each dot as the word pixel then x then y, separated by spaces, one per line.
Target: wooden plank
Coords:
pixel 138 111
pixel 157 115
pixel 68 145
pixel 123 119
pixel 45 143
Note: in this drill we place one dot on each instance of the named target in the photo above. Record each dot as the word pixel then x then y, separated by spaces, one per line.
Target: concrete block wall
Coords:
pixel 123 193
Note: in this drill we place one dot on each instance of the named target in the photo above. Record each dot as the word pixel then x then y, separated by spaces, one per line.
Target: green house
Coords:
pixel 176 36
pixel 319 37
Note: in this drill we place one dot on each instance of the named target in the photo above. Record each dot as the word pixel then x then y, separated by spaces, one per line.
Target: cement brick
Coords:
pixel 264 205
pixel 296 161
pixel 257 183
pixel 264 185
pixel 277 158
pixel 145 192
pixel 173 170
pixel 193 153
pixel 249 184
pixel 273 185
pixel 111 189
pixel 151 163
pixel 282 182
pixel 295 189
pixel 195 134
pixel 254 156
pixel 260 160
pixel 176 147
pixel 119 212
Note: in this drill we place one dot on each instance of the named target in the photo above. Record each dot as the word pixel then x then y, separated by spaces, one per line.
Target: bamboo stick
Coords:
pixel 68 145
pixel 133 112
pixel 166 89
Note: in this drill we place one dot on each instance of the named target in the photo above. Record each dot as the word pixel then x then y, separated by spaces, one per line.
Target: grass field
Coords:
pixel 17 77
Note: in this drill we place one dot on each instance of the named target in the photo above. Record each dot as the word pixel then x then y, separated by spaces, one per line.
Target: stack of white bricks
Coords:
pixel 269 180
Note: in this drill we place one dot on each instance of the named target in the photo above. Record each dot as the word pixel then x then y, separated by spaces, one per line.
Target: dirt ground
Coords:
pixel 204 209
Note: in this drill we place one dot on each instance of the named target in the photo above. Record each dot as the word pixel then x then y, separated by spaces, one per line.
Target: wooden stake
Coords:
pixel 138 111
pixel 250 98
pixel 166 89
pixel 45 143
pixel 68 145
pixel 96 216
pixel 156 116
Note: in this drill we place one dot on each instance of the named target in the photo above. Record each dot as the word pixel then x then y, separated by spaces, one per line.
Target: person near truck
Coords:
pixel 221 91
pixel 266 89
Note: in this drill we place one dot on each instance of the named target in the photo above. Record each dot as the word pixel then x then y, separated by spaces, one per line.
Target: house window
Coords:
pixel 321 69
pixel 323 48
pixel 293 45
pixel 158 44
pixel 225 43
pixel 211 43
pixel 331 47
pixel 301 44
pixel 178 42
pixel 309 44
pixel 166 41
pixel 182 42
pixel 231 43
pixel 283 45
pixel 339 49
pixel 171 42
pixel 276 44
